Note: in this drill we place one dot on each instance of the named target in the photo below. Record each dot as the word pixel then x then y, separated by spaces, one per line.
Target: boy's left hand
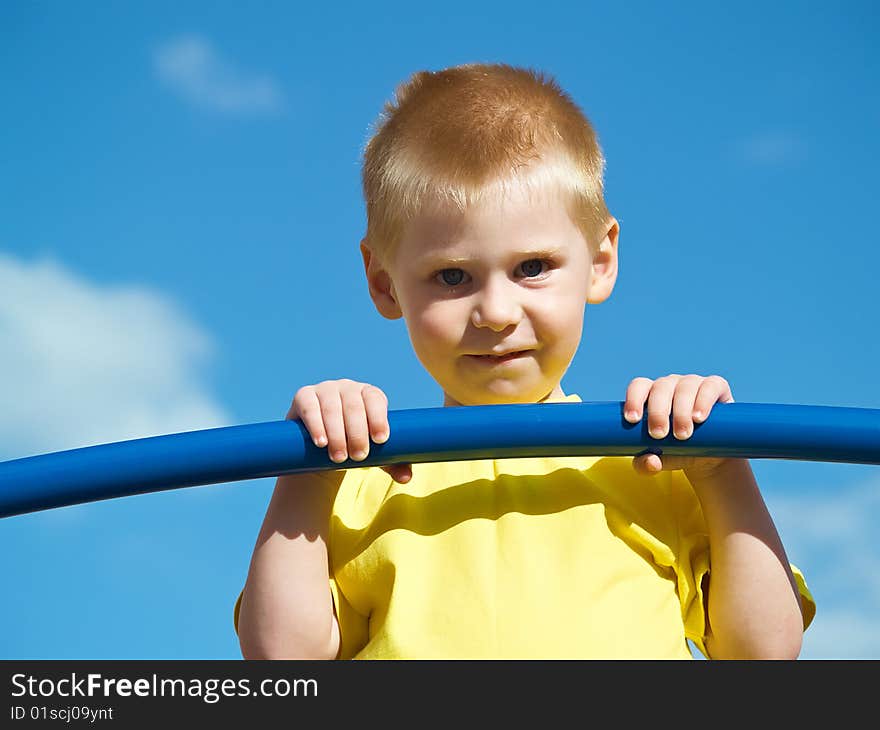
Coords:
pixel 689 399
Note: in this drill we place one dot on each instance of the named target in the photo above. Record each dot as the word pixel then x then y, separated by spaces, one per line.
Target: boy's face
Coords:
pixel 506 276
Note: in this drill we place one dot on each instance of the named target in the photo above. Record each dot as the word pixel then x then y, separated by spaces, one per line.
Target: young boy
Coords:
pixel 488 233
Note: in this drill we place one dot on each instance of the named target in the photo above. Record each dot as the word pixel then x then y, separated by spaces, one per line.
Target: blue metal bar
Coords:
pixel 252 451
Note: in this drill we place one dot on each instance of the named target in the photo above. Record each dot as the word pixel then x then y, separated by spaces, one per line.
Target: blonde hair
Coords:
pixel 469 131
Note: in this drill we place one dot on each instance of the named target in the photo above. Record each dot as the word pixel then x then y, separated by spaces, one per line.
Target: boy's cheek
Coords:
pixel 439 326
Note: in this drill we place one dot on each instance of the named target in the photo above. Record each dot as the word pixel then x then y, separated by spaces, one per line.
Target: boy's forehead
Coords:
pixel 437 224
pixel 497 228
pixel 502 195
pixel 519 218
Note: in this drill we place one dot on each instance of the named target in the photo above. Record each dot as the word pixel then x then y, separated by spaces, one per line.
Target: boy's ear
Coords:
pixel 604 273
pixel 380 284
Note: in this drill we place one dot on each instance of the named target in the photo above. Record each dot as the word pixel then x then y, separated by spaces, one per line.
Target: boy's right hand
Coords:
pixel 343 415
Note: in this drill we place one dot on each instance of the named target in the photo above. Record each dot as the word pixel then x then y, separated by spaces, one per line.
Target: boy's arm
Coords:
pixel 754 607
pixel 286 607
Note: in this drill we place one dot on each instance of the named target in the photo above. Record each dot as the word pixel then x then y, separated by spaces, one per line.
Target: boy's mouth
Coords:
pixel 498 359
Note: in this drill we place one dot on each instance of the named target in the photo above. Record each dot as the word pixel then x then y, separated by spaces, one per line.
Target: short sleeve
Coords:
pixel 692 572
pixel 353 627
pixel 808 603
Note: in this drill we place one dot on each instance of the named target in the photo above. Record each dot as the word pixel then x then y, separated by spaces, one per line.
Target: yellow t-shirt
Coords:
pixel 561 557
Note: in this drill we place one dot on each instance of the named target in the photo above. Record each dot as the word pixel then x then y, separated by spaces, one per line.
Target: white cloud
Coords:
pixel 772 149
pixel 192 67
pixel 84 364
pixel 832 538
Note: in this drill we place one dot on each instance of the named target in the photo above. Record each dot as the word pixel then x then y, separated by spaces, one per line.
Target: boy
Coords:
pixel 488 233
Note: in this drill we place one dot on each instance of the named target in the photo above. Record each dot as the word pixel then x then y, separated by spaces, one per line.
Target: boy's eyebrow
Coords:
pixel 432 260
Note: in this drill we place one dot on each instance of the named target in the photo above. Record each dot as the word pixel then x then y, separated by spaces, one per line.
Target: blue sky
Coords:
pixel 180 213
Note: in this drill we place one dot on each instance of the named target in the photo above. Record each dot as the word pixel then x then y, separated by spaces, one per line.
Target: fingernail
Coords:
pixel 682 433
pixel 632 416
pixel 380 437
pixel 338 456
pixel 658 432
pixel 698 415
pixel 358 455
pixel 320 441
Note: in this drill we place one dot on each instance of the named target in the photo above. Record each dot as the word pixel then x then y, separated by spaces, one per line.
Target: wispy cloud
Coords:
pixel 84 364
pixel 192 67
pixel 772 149
pixel 831 537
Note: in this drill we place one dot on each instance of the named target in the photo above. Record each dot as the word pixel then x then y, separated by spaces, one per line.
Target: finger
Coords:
pixel 636 395
pixel 334 422
pixel 376 404
pixel 713 389
pixel 354 414
pixel 683 405
pixel 660 405
pixel 307 408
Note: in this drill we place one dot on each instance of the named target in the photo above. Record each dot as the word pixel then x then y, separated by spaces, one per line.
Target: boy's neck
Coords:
pixel 556 394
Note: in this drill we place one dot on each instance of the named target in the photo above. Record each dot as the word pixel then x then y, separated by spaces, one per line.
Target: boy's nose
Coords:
pixel 496 308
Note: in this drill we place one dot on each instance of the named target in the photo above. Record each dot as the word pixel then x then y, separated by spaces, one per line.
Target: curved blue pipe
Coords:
pixel 233 453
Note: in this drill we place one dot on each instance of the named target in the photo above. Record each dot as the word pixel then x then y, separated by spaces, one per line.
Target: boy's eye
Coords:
pixel 533 267
pixel 451 277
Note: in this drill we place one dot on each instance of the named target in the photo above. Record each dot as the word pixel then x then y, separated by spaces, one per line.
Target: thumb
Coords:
pixel 401 473
pixel 649 464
